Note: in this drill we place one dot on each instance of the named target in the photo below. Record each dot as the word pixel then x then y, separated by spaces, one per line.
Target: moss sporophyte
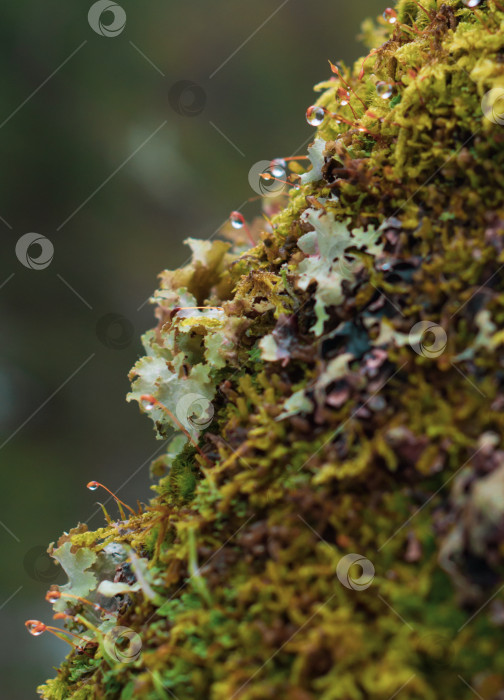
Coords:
pixel 328 515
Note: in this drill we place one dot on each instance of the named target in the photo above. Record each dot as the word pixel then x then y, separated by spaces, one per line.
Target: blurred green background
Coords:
pixel 96 158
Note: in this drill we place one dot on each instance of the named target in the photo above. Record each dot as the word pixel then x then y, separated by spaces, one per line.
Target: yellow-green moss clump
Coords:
pixel 346 397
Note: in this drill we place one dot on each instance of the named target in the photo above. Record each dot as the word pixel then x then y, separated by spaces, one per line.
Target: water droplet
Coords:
pixel 93 485
pixel 345 97
pixel 267 176
pixel 471 3
pixel 53 596
pixel 148 401
pixel 237 220
pixel 315 115
pixel 390 15
pixel 35 627
pixel 278 167
pixel 384 90
pixel 377 403
pixel 97 607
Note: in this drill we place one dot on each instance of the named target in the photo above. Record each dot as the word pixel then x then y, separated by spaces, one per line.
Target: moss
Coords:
pixel 343 395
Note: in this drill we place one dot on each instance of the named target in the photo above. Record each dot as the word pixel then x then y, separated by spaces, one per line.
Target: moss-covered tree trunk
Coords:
pixel 329 519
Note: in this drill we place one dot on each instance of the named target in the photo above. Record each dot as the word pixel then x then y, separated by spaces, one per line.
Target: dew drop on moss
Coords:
pixel 345 98
pixel 384 90
pixel 35 627
pixel 390 15
pixel 315 115
pixel 278 167
pixel 237 220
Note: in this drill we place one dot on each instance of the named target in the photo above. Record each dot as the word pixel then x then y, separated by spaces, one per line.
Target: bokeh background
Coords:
pixel 98 158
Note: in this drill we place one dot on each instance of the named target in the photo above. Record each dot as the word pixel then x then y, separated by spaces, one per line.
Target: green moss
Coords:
pixel 319 420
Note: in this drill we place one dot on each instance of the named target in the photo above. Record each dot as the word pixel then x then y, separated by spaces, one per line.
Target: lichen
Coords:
pixel 319 419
